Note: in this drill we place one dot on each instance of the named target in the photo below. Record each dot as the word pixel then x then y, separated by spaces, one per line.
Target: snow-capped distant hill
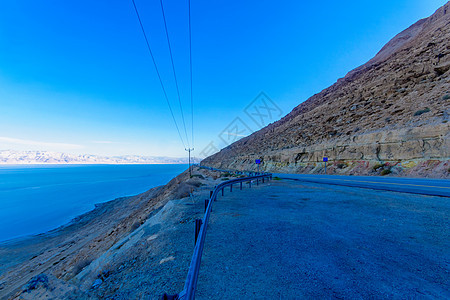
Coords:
pixel 11 157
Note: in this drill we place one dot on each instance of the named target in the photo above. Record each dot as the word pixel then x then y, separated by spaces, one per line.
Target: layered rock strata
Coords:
pixel 390 114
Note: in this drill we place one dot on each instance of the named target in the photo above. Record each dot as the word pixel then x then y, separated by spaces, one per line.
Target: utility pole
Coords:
pixel 189 150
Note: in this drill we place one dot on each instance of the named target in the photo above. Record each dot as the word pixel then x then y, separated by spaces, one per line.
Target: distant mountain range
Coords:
pixel 11 157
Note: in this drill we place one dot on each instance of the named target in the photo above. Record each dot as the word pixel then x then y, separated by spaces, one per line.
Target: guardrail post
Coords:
pixel 257 181
pixel 250 184
pixel 241 185
pixel 169 297
pixel 263 179
pixel 231 187
pixel 206 204
pixel 222 191
pixel 198 225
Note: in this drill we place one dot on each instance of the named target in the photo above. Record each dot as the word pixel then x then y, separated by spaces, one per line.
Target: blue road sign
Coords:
pixel 258 161
pixel 325 159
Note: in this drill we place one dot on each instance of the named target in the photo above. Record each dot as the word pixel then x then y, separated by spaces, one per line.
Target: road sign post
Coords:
pixel 325 159
pixel 258 162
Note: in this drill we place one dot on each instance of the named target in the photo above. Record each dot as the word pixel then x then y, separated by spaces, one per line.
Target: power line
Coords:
pixel 159 76
pixel 173 69
pixel 190 70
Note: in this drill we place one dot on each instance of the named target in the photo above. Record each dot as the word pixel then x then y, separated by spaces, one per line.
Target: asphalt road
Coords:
pixel 299 240
pixel 433 187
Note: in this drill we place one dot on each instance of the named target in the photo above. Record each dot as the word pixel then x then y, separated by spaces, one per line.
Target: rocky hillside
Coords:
pixel 389 115
pixel 123 249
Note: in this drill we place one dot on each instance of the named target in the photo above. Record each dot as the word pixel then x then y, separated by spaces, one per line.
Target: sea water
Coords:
pixel 38 198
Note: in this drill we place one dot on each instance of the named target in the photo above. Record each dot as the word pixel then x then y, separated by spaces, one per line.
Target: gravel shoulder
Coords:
pixel 293 240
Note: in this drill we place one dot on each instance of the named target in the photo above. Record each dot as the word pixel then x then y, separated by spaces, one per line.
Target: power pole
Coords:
pixel 189 150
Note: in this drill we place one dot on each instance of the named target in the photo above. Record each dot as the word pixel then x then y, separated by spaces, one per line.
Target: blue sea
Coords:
pixel 38 198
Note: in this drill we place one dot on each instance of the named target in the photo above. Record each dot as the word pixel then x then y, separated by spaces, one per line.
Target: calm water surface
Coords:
pixel 35 199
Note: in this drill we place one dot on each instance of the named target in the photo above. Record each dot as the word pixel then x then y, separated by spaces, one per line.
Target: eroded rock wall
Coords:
pixel 420 151
pixel 393 110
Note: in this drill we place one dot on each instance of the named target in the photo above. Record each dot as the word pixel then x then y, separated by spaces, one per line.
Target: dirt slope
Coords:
pixel 64 263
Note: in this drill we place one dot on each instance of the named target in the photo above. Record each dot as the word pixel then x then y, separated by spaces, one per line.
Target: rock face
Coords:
pixel 389 114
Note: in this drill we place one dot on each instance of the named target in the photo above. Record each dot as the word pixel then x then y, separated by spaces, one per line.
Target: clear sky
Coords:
pixel 76 77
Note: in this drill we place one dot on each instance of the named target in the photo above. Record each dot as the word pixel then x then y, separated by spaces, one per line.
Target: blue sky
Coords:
pixel 76 77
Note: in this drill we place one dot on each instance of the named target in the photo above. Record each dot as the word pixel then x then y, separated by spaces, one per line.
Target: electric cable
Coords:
pixel 159 76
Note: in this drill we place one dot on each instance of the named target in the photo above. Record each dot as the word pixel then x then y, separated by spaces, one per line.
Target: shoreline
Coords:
pixel 39 198
pixel 72 221
pixel 81 244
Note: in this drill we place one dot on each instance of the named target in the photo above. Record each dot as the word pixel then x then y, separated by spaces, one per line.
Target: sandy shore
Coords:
pixel 80 259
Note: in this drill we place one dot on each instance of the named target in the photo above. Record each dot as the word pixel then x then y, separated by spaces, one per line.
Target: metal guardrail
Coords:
pixel 249 173
pixel 201 225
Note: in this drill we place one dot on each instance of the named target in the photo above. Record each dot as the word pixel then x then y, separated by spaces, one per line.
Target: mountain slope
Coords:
pixel 393 110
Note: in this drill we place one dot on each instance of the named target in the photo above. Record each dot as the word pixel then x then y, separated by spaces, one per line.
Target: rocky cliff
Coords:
pixel 389 115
